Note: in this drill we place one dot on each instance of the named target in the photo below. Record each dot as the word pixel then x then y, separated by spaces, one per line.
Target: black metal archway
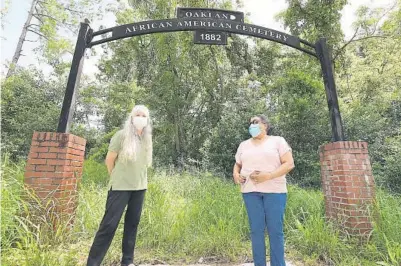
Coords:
pixel 210 26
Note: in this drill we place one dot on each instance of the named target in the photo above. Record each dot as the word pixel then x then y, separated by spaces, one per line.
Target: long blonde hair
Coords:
pixel 130 136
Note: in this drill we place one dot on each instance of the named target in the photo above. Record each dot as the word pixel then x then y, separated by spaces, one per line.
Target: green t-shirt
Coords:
pixel 128 174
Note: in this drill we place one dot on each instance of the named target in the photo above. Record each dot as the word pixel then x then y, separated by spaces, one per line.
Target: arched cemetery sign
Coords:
pixel 210 27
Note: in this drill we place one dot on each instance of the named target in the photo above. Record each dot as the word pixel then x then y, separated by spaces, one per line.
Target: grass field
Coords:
pixel 188 216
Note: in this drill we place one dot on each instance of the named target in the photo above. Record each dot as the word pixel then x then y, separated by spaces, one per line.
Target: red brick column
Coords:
pixel 348 185
pixel 54 169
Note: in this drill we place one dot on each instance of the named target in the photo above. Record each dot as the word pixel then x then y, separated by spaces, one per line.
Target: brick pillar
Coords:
pixel 348 185
pixel 53 171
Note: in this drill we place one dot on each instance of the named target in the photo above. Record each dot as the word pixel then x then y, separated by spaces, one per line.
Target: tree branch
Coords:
pixel 345 45
pixel 383 65
pixel 75 11
pixel 385 14
pixel 357 40
pixel 39 4
pixel 41 21
pixel 371 36
pixel 38 33
pixel 56 20
pixel 44 15
pixel 32 25
pixel 367 37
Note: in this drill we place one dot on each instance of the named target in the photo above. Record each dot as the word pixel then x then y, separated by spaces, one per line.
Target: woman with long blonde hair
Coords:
pixel 129 155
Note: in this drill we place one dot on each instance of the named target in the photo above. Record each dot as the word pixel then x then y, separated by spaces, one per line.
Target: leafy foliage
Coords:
pixel 28 103
pixel 201 97
pixel 205 216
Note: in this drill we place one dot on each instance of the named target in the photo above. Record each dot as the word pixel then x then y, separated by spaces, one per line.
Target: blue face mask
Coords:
pixel 254 130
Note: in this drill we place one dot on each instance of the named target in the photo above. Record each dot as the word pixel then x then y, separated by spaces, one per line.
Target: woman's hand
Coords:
pixel 238 179
pixel 259 177
pixel 110 160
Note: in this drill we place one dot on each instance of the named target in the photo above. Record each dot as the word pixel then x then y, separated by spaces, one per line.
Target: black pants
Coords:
pixel 115 205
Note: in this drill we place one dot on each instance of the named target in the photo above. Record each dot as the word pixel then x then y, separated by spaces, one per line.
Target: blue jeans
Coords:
pixel 266 210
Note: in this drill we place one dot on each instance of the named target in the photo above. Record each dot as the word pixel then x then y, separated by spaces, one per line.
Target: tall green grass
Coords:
pixel 186 217
pixel 27 235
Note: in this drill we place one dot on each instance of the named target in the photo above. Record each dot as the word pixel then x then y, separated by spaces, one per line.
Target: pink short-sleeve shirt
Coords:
pixel 264 157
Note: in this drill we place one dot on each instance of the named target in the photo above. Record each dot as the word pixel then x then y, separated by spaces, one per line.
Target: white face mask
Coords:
pixel 140 122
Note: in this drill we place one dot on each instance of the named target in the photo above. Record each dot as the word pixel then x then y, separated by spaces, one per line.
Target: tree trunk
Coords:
pixel 21 40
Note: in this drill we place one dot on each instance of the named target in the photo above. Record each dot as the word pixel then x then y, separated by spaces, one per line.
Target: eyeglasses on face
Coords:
pixel 254 122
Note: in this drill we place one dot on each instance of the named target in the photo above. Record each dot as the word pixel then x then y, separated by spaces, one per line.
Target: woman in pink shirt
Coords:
pixel 261 164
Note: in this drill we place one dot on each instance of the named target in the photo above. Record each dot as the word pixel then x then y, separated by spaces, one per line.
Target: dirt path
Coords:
pixel 288 263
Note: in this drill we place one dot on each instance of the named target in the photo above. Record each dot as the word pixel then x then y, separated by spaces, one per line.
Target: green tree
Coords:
pixel 370 78
pixel 52 22
pixel 312 19
pixel 28 103
pixel 3 12
pixel 185 85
